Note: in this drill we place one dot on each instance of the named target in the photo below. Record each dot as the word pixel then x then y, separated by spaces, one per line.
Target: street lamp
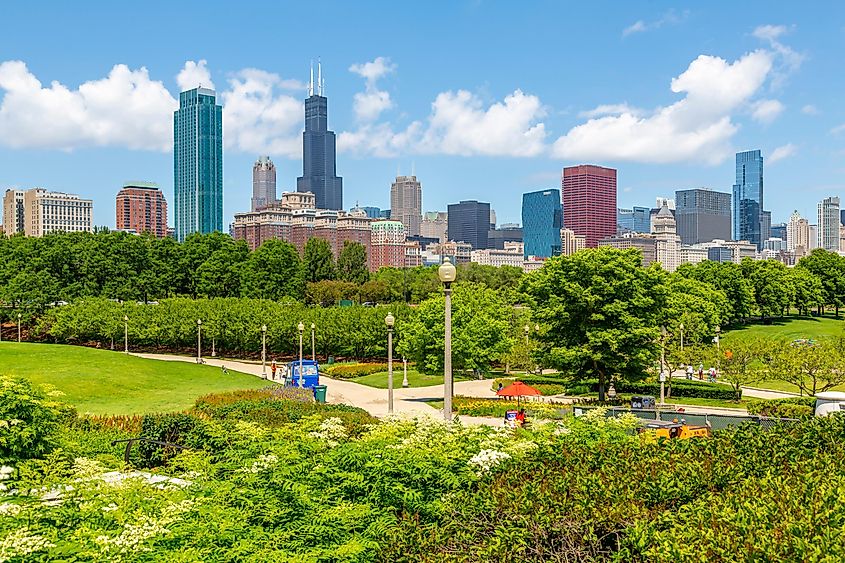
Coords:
pixel 19 327
pixel 681 326
pixel 611 393
pixel 447 274
pixel 125 334
pixel 301 328
pixel 405 372
pixel 264 351
pixel 199 341
pixel 389 320
pixel 313 342
pixel 663 333
pixel 527 330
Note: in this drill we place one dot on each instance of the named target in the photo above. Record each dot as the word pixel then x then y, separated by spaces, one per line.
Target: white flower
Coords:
pixel 263 462
pixel 486 460
pixel 22 542
pixel 331 430
pixel 6 472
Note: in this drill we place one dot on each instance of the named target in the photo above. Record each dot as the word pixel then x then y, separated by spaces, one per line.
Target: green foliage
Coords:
pixel 274 271
pixel 352 263
pixel 727 277
pixel 812 367
pixel 792 407
pixel 470 406
pixel 741 363
pixel 318 260
pixel 829 268
pixel 29 419
pixel 351 371
pixel 680 388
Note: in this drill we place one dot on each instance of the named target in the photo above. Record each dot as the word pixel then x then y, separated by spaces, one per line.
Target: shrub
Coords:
pixel 351 371
pixel 792 407
pixel 546 386
pixel 680 388
pixel 182 429
pixel 29 419
pixel 272 392
pixel 469 406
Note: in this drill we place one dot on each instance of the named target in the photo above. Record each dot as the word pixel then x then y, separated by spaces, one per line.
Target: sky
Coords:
pixel 483 100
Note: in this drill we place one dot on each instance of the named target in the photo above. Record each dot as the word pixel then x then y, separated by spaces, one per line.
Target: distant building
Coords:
pixel 541 223
pixel 748 198
pixel 842 216
pixel 319 164
pixel 507 232
pixel 198 163
pixel 667 239
pixel 720 254
pixel 494 257
pixel 140 207
pixel 702 215
pixel 46 212
pixel 469 221
pixel 372 212
pixel 741 249
pixel 13 212
pixel 406 203
pixel 634 220
pixel 647 245
pixel 667 201
pixel 798 235
pixel 434 225
pixel 457 252
pixel 388 245
pixel 589 201
pixel 533 263
pixel 692 254
pixel 778 230
pixel 570 243
pixel 829 222
pixel 263 183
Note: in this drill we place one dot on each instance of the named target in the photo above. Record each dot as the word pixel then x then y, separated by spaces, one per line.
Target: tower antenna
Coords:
pixel 311 81
pixel 319 77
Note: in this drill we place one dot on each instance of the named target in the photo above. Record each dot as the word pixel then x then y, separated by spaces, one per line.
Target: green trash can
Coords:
pixel 320 393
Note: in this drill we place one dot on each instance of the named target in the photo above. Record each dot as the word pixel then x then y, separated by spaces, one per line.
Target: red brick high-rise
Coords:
pixel 589 201
pixel 141 208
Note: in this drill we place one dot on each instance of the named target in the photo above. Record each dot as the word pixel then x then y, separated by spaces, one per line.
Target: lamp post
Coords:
pixel 681 326
pixel 447 273
pixel 264 351
pixel 213 349
pixel 19 327
pixel 125 334
pixel 389 320
pixel 313 343
pixel 199 341
pixel 527 330
pixel 405 372
pixel 663 334
pixel 301 328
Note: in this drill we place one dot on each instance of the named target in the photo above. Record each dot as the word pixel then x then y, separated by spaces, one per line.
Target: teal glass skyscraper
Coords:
pixel 748 198
pixel 198 163
pixel 541 223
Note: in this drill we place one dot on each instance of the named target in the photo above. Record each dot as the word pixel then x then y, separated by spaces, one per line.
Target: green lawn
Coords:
pixel 415 379
pixel 791 328
pixel 106 382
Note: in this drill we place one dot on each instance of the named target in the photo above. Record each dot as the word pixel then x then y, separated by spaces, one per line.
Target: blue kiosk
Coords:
pixel 310 374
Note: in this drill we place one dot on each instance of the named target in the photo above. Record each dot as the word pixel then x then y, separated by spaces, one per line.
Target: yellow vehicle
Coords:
pixel 674 429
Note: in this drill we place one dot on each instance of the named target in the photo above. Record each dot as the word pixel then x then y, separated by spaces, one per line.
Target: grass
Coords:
pixel 106 382
pixel 791 328
pixel 415 379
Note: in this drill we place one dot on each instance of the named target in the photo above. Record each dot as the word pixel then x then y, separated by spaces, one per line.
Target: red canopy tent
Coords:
pixel 518 389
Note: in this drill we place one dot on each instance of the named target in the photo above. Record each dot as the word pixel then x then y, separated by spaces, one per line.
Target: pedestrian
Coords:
pixel 273 369
pixel 689 371
pixel 711 376
pixel 500 386
pixel 700 372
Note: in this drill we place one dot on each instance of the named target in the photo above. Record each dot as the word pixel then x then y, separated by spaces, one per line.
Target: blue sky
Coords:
pixel 487 99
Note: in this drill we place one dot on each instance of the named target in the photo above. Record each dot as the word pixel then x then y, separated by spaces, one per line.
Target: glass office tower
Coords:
pixel 198 163
pixel 541 223
pixel 748 198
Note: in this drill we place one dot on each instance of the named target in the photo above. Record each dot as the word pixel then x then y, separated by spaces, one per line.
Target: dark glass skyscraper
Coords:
pixel 541 223
pixel 319 172
pixel 198 163
pixel 634 220
pixel 702 215
pixel 469 221
pixel 748 198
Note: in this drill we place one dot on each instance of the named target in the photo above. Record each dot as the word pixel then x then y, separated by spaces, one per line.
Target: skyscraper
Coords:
pixel 798 235
pixel 38 212
pixel 541 223
pixel 634 220
pixel 406 203
pixel 668 241
pixel 263 183
pixel 319 167
pixel 469 221
pixel 198 163
pixel 589 201
pixel 140 207
pixel 748 198
pixel 702 215
pixel 828 232
pixel 13 212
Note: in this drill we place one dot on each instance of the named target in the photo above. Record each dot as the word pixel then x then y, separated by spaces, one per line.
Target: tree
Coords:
pixel 352 263
pixel 727 277
pixel 741 362
pixel 697 306
pixel 807 291
pixel 771 284
pixel 813 367
pixel 599 313
pixel 319 260
pixel 830 269
pixel 329 292
pixel 274 271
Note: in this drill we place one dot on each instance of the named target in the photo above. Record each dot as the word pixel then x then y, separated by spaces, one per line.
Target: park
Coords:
pixel 226 462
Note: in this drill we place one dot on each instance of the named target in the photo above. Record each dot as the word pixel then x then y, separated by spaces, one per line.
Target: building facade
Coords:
pixel 319 165
pixel 13 212
pixel 469 221
pixel 434 225
pixel 828 225
pixel 140 207
pixel 748 198
pixel 512 256
pixel 263 183
pixel 406 203
pixel 589 201
pixel 388 245
pixel 668 243
pixel 634 220
pixel 541 223
pixel 702 215
pixel 198 163
pixel 570 243
pixel 48 212
pixel 798 235
pixel 499 237
pixel 647 245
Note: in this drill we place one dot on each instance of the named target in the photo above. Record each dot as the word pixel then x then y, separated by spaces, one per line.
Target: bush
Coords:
pixel 351 371
pixel 29 419
pixel 469 406
pixel 182 429
pixel 546 386
pixel 792 407
pixel 272 392
pixel 680 388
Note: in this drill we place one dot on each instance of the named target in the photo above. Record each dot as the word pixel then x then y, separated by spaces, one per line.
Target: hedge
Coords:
pixel 792 407
pixel 681 388
pixel 351 371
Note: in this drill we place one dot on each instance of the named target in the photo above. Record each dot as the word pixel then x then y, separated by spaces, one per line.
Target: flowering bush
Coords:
pixel 351 371
pixel 29 419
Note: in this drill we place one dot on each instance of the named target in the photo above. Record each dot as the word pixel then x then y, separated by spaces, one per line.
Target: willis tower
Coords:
pixel 319 174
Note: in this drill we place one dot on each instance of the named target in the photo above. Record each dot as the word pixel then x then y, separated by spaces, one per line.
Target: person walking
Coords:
pixel 273 370
pixel 711 376
pixel 689 372
pixel 701 372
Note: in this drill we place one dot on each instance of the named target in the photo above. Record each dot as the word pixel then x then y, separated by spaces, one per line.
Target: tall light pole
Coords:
pixel 662 364
pixel 313 343
pixel 389 320
pixel 199 341
pixel 447 274
pixel 681 326
pixel 19 327
pixel 405 371
pixel 125 334
pixel 264 351
pixel 301 328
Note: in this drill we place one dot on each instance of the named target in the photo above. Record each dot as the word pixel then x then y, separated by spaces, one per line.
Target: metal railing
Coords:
pixel 714 421
pixel 131 441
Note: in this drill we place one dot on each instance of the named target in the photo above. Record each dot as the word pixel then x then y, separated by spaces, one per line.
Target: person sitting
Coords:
pixel 520 417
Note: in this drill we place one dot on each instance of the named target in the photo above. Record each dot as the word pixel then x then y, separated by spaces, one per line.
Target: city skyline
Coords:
pixel 506 126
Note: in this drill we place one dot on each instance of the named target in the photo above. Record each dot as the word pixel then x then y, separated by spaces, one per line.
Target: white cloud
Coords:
pixel 126 109
pixel 374 69
pixel 697 127
pixel 259 119
pixel 769 32
pixel 609 109
pixel 766 111
pixel 810 109
pixel 784 151
pixel 669 18
pixel 636 27
pixel 194 74
pixel 370 104
pixel 788 59
pixel 838 129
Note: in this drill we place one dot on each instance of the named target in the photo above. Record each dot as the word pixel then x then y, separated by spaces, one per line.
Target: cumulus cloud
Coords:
pixel 374 69
pixel 609 109
pixel 669 18
pixel 126 108
pixel 697 127
pixel 258 118
pixel 784 151
pixel 194 74
pixel 369 104
pixel 766 111
pixel 788 60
